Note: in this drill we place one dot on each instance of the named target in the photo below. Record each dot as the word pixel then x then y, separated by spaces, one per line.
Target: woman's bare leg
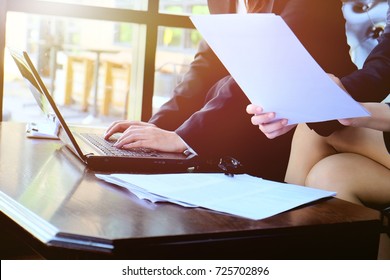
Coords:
pixel 355 178
pixel 307 149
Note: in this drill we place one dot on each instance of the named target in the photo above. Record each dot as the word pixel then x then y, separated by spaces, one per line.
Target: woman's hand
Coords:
pixel 267 122
pixel 379 119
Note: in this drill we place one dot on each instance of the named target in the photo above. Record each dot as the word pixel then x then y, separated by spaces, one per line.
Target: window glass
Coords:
pixel 66 52
pixel 184 7
pixel 175 50
pixel 122 4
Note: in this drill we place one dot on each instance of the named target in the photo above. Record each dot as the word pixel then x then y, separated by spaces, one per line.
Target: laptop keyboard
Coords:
pixel 106 146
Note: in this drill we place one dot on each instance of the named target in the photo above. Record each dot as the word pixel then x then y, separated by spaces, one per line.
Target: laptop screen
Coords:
pixel 44 99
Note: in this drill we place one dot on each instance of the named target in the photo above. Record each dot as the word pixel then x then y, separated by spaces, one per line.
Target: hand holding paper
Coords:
pixel 274 69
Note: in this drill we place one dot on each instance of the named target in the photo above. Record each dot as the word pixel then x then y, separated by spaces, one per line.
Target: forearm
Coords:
pixel 204 130
pixel 325 40
pixel 372 82
pixel 369 84
pixel 379 119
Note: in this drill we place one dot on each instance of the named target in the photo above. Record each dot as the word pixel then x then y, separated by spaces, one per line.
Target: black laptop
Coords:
pixel 89 145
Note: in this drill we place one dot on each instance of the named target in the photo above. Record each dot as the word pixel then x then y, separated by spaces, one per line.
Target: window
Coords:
pixel 66 39
pixel 121 4
pixel 176 48
pixel 65 52
pixel 186 7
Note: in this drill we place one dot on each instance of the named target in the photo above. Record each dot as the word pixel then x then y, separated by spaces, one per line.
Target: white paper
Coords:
pixel 241 195
pixel 273 68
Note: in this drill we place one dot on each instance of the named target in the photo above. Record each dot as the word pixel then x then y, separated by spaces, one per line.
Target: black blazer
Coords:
pixel 369 84
pixel 208 108
pixel 372 82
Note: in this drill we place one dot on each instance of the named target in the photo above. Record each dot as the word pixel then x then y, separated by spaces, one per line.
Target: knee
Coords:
pixel 335 174
pixel 322 175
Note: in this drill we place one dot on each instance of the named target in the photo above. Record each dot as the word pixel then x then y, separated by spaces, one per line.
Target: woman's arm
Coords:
pixel 379 119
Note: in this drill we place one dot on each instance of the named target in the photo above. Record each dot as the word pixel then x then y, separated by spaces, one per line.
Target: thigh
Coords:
pixel 362 141
pixel 307 149
pixel 355 178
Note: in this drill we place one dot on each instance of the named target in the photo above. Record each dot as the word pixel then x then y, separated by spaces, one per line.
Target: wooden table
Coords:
pixel 58 207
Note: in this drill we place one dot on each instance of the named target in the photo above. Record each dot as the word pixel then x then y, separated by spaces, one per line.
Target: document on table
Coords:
pixel 274 69
pixel 242 195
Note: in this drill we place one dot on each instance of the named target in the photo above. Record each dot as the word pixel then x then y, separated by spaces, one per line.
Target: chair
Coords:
pixel 385 219
pixel 113 74
pixel 87 78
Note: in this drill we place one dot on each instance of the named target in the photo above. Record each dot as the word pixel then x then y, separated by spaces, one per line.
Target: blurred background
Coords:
pixel 104 60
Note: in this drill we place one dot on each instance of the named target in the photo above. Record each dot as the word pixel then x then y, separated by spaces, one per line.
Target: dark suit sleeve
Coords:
pixel 319 25
pixel 189 96
pixel 372 82
pixel 222 127
pixel 369 84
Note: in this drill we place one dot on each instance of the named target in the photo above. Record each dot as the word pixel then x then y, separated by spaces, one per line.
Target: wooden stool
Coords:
pixel 87 78
pixel 109 85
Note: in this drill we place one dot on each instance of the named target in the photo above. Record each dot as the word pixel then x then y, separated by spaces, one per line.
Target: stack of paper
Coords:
pixel 241 195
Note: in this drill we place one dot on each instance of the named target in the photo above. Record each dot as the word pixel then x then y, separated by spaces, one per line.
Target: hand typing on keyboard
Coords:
pixel 137 134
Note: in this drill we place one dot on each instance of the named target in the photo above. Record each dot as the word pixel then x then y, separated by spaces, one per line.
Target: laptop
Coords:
pixel 88 143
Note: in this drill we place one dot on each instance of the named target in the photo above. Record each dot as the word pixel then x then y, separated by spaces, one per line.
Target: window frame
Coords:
pixel 151 18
